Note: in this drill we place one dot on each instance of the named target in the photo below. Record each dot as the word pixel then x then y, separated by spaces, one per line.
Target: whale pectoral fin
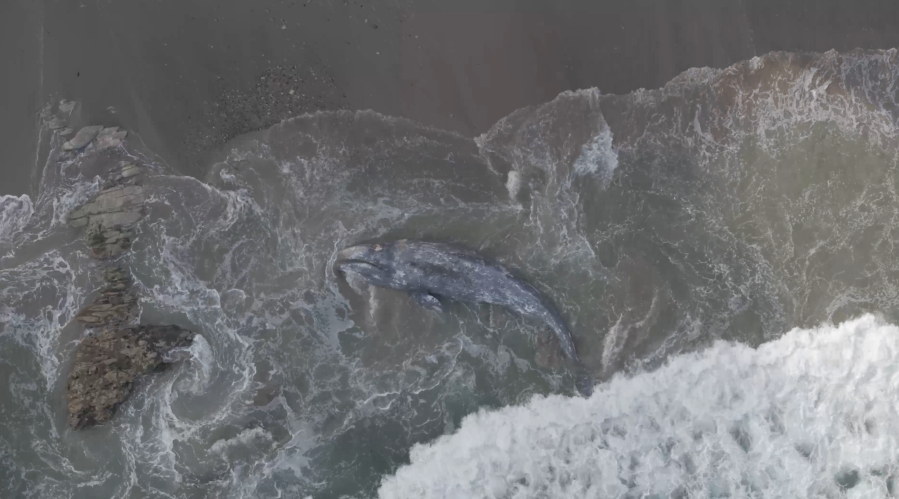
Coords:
pixel 427 301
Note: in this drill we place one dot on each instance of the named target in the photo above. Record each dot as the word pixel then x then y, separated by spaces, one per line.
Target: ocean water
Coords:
pixel 723 249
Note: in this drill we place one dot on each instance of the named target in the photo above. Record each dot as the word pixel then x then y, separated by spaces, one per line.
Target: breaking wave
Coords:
pixel 811 414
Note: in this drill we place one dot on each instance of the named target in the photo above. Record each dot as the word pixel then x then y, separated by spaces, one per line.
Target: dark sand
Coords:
pixel 187 75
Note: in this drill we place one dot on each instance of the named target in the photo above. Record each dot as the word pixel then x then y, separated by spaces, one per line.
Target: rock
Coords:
pixel 66 106
pixel 65 132
pixel 55 123
pixel 110 137
pixel 79 222
pixel 108 363
pixel 130 171
pixel 82 138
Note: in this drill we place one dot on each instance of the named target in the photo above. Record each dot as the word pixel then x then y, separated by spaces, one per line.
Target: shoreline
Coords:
pixel 188 77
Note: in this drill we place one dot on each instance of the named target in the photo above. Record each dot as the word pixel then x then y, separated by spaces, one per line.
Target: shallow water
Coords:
pixel 730 205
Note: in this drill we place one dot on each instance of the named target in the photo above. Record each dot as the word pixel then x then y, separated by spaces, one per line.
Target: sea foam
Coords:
pixel 811 414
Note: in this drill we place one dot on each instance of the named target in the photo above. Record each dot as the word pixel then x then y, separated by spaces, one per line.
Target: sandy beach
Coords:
pixel 188 76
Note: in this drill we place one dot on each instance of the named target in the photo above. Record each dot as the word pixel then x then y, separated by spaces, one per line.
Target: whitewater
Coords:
pixel 811 414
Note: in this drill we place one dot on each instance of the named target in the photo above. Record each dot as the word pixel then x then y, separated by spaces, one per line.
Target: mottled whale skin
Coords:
pixel 430 270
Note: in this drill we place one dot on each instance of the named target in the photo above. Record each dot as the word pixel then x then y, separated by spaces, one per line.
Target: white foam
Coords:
pixel 513 184
pixel 39 328
pixel 197 380
pixel 15 212
pixel 789 419
pixel 598 157
pixel 247 437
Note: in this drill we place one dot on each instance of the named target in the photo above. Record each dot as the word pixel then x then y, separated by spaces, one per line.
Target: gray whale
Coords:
pixel 430 270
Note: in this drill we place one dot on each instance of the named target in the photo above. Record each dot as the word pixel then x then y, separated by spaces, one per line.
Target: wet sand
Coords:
pixel 20 41
pixel 189 75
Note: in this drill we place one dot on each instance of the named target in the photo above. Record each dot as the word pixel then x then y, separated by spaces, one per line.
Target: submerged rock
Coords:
pixel 125 175
pixel 116 306
pixel 82 138
pixel 130 171
pixel 46 111
pixel 107 365
pixel 55 123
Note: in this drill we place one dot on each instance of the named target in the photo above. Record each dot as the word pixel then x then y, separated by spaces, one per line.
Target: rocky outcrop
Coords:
pixel 108 363
pixel 82 138
pixel 103 138
pixel 110 137
pixel 110 217
pixel 115 352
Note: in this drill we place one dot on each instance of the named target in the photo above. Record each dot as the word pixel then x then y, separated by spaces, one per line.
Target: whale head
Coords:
pixel 371 262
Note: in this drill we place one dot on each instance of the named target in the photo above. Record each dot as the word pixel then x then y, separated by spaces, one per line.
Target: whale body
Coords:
pixel 429 271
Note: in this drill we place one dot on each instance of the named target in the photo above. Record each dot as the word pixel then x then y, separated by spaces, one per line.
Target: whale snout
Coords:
pixel 351 253
pixel 362 259
pixel 362 252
